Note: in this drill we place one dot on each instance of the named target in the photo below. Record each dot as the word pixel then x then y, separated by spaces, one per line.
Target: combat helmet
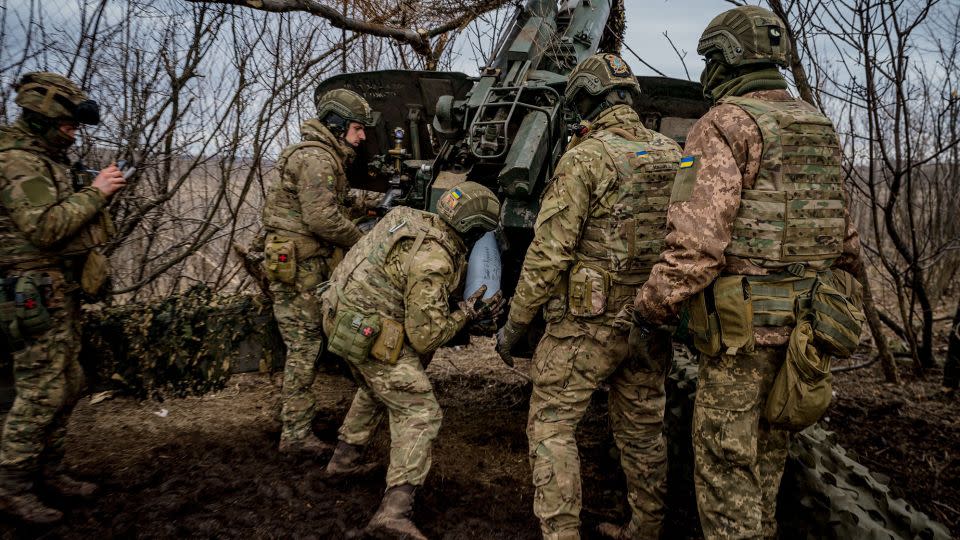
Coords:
pixel 340 106
pixel 469 206
pixel 598 74
pixel 56 97
pixel 746 35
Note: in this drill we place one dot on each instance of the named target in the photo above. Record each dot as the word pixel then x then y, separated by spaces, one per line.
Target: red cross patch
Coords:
pixel 282 258
pixel 367 331
pixel 30 303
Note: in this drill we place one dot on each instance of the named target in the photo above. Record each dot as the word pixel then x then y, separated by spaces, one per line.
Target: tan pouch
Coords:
pixel 95 271
pixel 704 323
pixel 389 343
pixel 802 390
pixel 587 291
pixel 280 259
pixel 731 296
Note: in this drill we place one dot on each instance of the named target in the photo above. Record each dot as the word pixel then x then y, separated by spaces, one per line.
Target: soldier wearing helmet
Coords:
pixel 757 213
pixel 597 235
pixel 51 226
pixel 385 312
pixel 307 230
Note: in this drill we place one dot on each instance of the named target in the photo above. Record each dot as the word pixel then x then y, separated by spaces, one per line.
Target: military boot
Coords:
pixel 392 519
pixel 622 532
pixel 27 507
pixel 345 461
pixel 69 486
pixel 307 445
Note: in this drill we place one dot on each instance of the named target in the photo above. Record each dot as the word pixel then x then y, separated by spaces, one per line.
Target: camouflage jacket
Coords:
pixel 726 146
pixel 44 223
pixel 587 192
pixel 378 275
pixel 308 202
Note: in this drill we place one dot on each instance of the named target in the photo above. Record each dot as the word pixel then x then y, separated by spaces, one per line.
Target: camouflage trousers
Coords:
pixel 404 392
pixel 738 459
pixel 48 380
pixel 569 364
pixel 296 307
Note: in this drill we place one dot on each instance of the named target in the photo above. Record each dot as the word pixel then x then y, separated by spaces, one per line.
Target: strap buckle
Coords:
pixel 797 269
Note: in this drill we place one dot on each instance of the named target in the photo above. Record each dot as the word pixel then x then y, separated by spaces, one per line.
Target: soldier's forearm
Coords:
pixel 65 219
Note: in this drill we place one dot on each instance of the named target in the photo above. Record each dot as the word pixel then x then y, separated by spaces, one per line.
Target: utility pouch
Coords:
pixel 9 327
pixel 838 318
pixel 33 317
pixel 704 323
pixel 389 343
pixel 556 306
pixel 803 387
pixel 353 334
pixel 587 291
pixel 95 271
pixel 280 259
pixel 731 296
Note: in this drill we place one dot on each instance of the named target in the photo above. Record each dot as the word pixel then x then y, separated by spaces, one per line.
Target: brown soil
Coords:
pixel 209 468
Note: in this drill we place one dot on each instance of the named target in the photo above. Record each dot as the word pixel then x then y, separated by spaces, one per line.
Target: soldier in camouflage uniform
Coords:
pixel 597 235
pixel 386 311
pixel 51 226
pixel 758 198
pixel 307 231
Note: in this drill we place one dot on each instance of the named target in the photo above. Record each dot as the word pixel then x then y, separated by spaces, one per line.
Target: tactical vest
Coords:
pixel 362 281
pixel 282 212
pixel 795 211
pixel 622 238
pixel 17 251
pixel 624 233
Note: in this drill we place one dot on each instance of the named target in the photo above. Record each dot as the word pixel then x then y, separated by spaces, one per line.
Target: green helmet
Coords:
pixel 599 74
pixel 347 105
pixel 746 35
pixel 56 97
pixel 469 205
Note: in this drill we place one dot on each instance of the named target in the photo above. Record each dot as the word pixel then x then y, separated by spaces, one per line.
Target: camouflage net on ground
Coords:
pixel 185 344
pixel 824 493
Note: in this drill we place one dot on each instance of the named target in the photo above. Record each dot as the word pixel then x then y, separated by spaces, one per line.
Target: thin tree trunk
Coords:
pixel 951 368
pixel 890 371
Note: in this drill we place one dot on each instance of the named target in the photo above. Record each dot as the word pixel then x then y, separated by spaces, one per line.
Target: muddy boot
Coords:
pixel 345 461
pixel 26 506
pixel 307 445
pixel 392 519
pixel 67 486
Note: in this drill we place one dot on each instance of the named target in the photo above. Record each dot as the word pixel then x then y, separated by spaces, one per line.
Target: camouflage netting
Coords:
pixel 824 494
pixel 185 344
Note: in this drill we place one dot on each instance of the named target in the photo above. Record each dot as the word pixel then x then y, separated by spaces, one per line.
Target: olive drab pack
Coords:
pixel 363 309
pixel 795 212
pixel 622 239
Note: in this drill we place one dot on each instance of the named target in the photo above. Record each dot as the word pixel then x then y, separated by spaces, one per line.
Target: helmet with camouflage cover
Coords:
pixel 469 206
pixel 598 74
pixel 746 35
pixel 56 97
pixel 340 106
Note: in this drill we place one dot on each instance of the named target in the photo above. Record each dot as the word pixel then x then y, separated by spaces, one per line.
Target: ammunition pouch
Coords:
pixel 802 390
pixel 280 259
pixel 587 291
pixel 836 312
pixel 96 269
pixel 721 317
pixel 353 334
pixel 389 342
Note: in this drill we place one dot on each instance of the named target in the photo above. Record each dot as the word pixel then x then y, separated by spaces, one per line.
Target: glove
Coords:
pixel 507 337
pixel 476 308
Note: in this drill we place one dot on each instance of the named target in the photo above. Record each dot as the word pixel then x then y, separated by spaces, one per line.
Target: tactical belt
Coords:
pixel 775 296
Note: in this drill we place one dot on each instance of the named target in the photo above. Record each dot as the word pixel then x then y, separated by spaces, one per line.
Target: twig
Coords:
pixel 681 56
pixel 644 62
pixel 868 363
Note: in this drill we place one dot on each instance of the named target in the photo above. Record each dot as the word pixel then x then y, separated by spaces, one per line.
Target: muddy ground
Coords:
pixel 207 466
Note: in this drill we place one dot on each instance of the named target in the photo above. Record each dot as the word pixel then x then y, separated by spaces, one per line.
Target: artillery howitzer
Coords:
pixel 505 129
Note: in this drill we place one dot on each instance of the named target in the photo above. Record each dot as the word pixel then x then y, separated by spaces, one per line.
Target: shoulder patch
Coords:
pixel 687 162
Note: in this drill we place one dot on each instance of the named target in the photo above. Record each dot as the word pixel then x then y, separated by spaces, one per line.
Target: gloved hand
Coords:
pixel 507 337
pixel 476 308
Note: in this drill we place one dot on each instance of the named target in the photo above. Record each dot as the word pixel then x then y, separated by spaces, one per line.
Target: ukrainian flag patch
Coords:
pixel 686 162
pixel 640 153
pixel 456 194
